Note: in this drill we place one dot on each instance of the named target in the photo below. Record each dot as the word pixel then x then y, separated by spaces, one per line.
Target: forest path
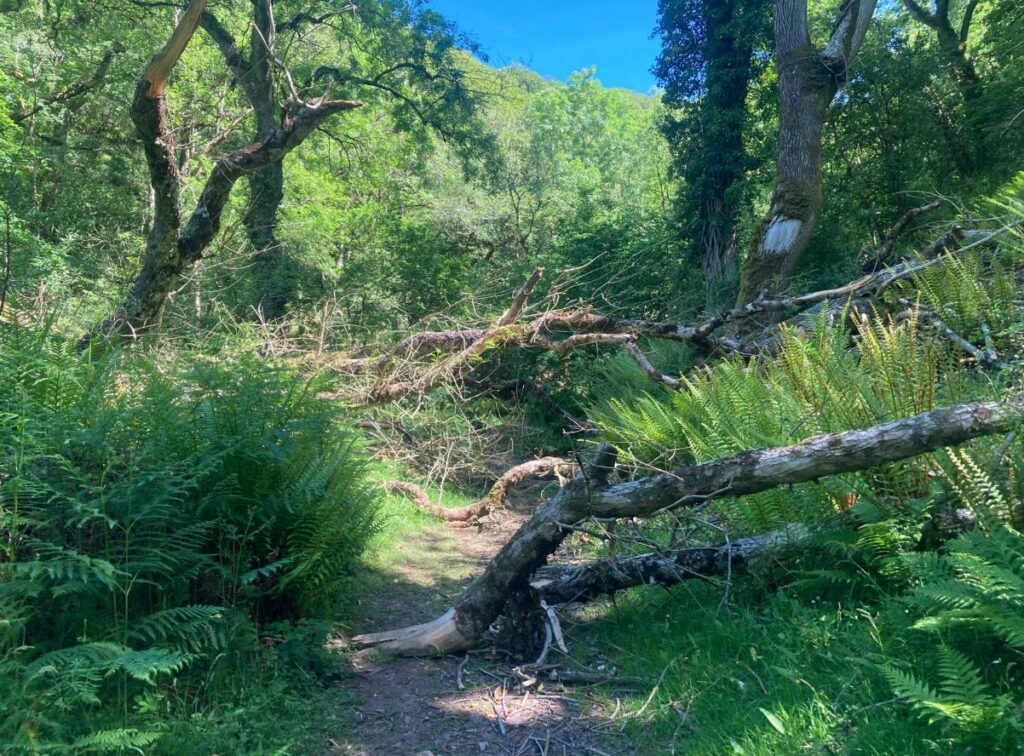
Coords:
pixel 414 706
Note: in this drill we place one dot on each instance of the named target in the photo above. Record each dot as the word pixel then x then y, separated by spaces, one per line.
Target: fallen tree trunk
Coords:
pixel 565 585
pixel 589 495
pixel 496 497
pixel 560 331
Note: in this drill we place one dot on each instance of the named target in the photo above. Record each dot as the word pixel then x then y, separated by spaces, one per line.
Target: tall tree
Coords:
pixel 809 79
pixel 705 66
pixel 170 247
pixel 406 55
pixel 391 51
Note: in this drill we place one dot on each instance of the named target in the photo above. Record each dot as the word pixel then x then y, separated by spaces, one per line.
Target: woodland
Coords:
pixel 362 397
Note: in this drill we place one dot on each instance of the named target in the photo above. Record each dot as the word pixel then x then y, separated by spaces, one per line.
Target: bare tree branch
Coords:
pixel 496 497
pixel 589 495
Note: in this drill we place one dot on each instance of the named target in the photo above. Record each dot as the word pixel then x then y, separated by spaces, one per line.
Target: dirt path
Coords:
pixel 414 706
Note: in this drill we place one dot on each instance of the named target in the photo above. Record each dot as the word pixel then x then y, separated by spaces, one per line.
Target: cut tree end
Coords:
pixel 436 638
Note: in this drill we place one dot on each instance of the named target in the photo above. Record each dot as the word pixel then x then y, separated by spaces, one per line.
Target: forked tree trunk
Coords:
pixel 808 80
pixel 952 43
pixel 508 575
pixel 254 72
pixel 171 249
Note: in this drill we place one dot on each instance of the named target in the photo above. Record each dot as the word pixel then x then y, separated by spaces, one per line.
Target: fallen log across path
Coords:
pixel 506 579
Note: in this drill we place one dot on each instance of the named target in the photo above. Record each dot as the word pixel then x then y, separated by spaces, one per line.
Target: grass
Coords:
pixel 758 675
pixel 411 562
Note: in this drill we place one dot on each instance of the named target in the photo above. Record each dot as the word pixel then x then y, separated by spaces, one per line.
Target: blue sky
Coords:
pixel 557 37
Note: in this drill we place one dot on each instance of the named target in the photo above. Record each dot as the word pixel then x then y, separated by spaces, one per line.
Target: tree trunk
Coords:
pixel 171 249
pixel 952 43
pixel 255 74
pixel 808 80
pixel 707 141
pixel 729 48
pixel 589 495
pixel 968 153
pixel 565 585
pixel 266 192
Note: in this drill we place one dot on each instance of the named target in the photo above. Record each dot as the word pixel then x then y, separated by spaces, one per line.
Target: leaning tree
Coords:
pixel 381 50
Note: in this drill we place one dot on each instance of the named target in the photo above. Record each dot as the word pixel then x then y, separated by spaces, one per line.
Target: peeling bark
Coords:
pixel 808 80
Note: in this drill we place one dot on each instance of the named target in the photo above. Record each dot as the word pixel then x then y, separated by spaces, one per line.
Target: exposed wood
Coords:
pixel 589 495
pixel 159 69
pixel 808 81
pixel 495 498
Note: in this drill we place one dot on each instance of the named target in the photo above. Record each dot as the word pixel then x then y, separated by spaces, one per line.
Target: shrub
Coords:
pixel 151 510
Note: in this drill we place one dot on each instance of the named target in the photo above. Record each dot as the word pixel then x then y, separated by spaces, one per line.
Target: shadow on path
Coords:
pixel 414 706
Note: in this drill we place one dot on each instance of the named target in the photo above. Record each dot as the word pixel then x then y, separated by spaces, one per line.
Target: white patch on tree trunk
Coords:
pixel 781 235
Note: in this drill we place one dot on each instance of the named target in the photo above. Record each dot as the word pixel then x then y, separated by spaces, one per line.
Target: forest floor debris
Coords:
pixel 416 706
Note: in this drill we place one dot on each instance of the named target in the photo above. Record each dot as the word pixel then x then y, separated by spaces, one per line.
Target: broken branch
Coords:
pixel 496 497
pixel 589 495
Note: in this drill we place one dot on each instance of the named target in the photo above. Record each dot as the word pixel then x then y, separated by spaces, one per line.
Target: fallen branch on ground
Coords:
pixel 565 585
pixel 589 495
pixel 560 331
pixel 496 497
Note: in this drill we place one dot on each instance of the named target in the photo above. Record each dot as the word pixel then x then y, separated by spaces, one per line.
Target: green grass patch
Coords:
pixel 757 675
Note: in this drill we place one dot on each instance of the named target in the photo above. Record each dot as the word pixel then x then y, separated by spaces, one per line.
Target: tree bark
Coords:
pixel 808 80
pixel 171 249
pixel 255 74
pixel 565 585
pixel 589 495
pixel 496 497
pixel 707 56
pixel 952 43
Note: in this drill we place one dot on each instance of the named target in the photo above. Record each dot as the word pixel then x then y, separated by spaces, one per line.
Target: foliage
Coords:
pixel 154 513
pixel 971 599
pixel 817 385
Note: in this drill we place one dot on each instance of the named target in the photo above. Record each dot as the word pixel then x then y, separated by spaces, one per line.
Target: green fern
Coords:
pixel 817 385
pixel 146 510
pixel 963 698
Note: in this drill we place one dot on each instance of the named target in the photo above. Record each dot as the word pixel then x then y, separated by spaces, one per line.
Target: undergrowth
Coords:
pixel 174 532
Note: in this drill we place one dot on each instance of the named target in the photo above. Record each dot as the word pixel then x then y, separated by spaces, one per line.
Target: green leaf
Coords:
pixel 774 721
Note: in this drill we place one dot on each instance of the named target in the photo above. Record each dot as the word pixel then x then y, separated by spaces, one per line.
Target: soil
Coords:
pixel 415 706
